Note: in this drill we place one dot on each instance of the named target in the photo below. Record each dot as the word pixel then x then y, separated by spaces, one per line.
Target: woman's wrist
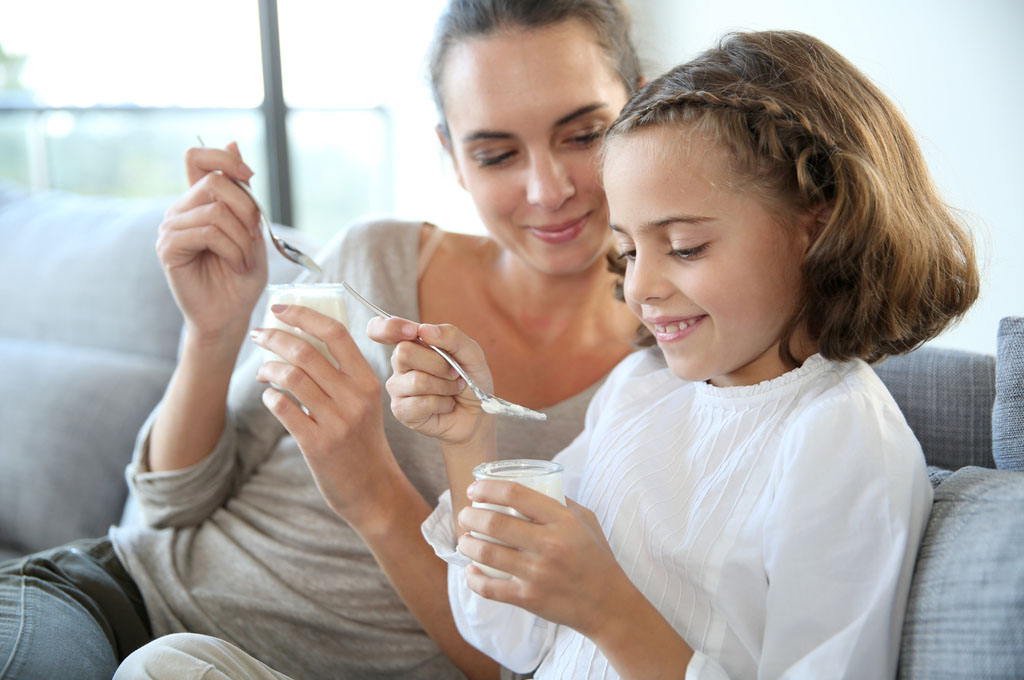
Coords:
pixel 389 503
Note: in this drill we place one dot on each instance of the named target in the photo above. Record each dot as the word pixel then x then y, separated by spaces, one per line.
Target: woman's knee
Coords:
pixel 191 655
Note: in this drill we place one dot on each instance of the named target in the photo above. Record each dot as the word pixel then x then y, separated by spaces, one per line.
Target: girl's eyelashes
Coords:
pixel 689 253
pixel 685 254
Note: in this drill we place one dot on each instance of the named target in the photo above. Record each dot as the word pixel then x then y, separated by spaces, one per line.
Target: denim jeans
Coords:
pixel 68 612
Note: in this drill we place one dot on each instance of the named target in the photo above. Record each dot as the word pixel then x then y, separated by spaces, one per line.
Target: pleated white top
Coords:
pixel 774 526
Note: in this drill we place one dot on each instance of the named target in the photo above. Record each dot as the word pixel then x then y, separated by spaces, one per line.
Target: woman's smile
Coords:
pixel 560 233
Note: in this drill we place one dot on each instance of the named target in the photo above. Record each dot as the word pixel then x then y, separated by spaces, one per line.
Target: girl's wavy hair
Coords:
pixel 892 266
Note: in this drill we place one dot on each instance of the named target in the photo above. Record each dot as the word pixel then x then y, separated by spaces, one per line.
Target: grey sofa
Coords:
pixel 89 335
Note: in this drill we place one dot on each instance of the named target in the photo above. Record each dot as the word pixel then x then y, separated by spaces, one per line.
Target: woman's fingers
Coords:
pixel 185 237
pixel 332 333
pixel 216 188
pixel 200 161
pixel 296 382
pixel 298 424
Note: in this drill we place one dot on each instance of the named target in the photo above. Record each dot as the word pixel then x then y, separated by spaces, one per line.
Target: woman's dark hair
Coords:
pixel 464 19
pixel 892 266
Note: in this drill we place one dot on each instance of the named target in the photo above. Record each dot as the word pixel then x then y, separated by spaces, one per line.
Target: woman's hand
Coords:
pixel 342 433
pixel 427 395
pixel 211 247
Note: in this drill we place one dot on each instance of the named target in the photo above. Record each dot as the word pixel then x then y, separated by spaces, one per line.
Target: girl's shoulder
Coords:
pixel 851 413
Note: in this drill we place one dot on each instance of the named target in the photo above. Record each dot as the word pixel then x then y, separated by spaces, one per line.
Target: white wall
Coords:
pixel 955 67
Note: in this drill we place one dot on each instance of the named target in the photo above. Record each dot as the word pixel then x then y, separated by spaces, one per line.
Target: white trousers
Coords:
pixel 190 656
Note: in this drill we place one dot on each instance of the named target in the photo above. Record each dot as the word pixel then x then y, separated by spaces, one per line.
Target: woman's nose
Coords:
pixel 549 184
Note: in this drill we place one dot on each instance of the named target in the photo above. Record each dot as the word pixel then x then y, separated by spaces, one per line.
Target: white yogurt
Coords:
pixel 326 298
pixel 539 475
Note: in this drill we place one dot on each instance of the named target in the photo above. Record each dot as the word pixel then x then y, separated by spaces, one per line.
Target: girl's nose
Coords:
pixel 643 282
pixel 549 184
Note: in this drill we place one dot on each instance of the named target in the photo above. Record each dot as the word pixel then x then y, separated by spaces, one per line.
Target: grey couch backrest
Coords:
pixel 946 396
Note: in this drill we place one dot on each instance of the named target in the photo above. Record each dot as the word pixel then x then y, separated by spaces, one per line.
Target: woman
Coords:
pixel 241 545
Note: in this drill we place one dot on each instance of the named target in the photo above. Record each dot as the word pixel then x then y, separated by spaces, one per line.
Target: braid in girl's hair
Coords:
pixel 891 267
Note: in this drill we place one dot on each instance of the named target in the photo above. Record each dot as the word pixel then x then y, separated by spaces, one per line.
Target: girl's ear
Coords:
pixel 821 215
pixel 446 143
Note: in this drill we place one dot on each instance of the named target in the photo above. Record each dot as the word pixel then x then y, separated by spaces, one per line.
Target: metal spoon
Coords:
pixel 488 402
pixel 289 251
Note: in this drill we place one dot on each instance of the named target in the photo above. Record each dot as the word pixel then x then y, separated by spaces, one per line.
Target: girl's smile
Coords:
pixel 710 270
pixel 668 329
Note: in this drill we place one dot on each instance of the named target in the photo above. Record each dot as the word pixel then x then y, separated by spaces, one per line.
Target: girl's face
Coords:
pixel 525 112
pixel 709 271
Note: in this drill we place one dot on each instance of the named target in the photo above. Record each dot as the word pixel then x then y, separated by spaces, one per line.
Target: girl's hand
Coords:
pixel 342 435
pixel 562 567
pixel 211 246
pixel 427 395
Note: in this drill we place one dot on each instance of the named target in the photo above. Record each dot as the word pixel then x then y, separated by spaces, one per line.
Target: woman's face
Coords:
pixel 526 110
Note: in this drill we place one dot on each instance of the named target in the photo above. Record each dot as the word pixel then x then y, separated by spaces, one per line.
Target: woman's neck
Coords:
pixel 549 307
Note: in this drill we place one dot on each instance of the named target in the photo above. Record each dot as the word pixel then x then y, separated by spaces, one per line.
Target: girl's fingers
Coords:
pixel 505 558
pixel 415 411
pixel 420 384
pixel 500 590
pixel 461 347
pixel 539 507
pixel 516 532
pixel 391 331
pixel 412 357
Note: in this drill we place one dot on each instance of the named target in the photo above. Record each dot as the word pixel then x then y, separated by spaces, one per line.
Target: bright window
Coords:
pixel 104 97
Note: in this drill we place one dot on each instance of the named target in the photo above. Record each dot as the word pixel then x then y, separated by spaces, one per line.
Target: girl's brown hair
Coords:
pixel 465 19
pixel 891 267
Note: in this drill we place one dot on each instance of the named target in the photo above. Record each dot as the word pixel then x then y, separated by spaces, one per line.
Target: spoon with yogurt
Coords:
pixel 488 402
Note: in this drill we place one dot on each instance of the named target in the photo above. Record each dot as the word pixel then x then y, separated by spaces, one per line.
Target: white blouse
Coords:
pixel 774 526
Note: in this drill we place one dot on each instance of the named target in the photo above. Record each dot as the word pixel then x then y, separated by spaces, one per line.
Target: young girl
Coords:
pixel 755 497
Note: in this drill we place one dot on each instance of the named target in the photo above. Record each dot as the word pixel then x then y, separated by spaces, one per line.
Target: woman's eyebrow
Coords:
pixel 580 112
pixel 568 118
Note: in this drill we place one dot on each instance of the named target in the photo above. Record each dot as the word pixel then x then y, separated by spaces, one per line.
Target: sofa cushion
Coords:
pixel 966 608
pixel 83 270
pixel 946 396
pixel 67 428
pixel 1008 410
